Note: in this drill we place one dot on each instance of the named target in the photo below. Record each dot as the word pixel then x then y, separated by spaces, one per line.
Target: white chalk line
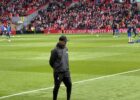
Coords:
pixel 78 82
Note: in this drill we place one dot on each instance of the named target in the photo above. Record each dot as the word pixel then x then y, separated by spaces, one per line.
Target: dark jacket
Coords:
pixel 59 58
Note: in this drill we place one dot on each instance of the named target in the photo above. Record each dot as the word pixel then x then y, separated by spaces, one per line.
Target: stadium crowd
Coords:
pixel 72 14
pixel 10 8
pixel 84 15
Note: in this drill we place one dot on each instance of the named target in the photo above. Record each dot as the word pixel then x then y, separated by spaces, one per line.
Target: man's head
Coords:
pixel 63 39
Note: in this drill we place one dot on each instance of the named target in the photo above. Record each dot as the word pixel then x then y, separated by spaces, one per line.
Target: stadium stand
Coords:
pixel 22 7
pixel 73 14
pixel 84 15
pixel 11 8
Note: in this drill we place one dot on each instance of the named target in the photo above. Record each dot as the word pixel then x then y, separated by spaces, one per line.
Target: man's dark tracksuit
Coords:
pixel 59 63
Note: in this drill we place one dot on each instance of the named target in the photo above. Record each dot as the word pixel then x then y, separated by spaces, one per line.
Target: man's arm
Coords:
pixel 53 57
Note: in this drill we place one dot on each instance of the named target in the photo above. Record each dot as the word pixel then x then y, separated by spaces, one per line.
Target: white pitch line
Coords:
pixel 78 82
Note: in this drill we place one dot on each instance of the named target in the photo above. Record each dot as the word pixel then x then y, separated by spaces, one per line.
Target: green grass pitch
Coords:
pixel 24 67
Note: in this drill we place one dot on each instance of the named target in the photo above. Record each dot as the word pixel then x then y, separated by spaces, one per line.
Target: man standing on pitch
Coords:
pixel 60 64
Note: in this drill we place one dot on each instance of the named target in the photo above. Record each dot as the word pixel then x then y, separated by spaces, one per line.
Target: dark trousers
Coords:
pixel 134 31
pixel 8 34
pixel 58 78
pixel 62 31
pixel 113 31
pixel 3 33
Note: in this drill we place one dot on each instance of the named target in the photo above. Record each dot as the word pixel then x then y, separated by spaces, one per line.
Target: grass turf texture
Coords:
pixel 24 66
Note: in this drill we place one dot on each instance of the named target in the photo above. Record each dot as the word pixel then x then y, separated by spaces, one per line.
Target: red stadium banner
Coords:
pixel 94 31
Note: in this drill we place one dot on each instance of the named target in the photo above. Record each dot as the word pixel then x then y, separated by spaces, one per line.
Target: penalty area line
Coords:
pixel 78 82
